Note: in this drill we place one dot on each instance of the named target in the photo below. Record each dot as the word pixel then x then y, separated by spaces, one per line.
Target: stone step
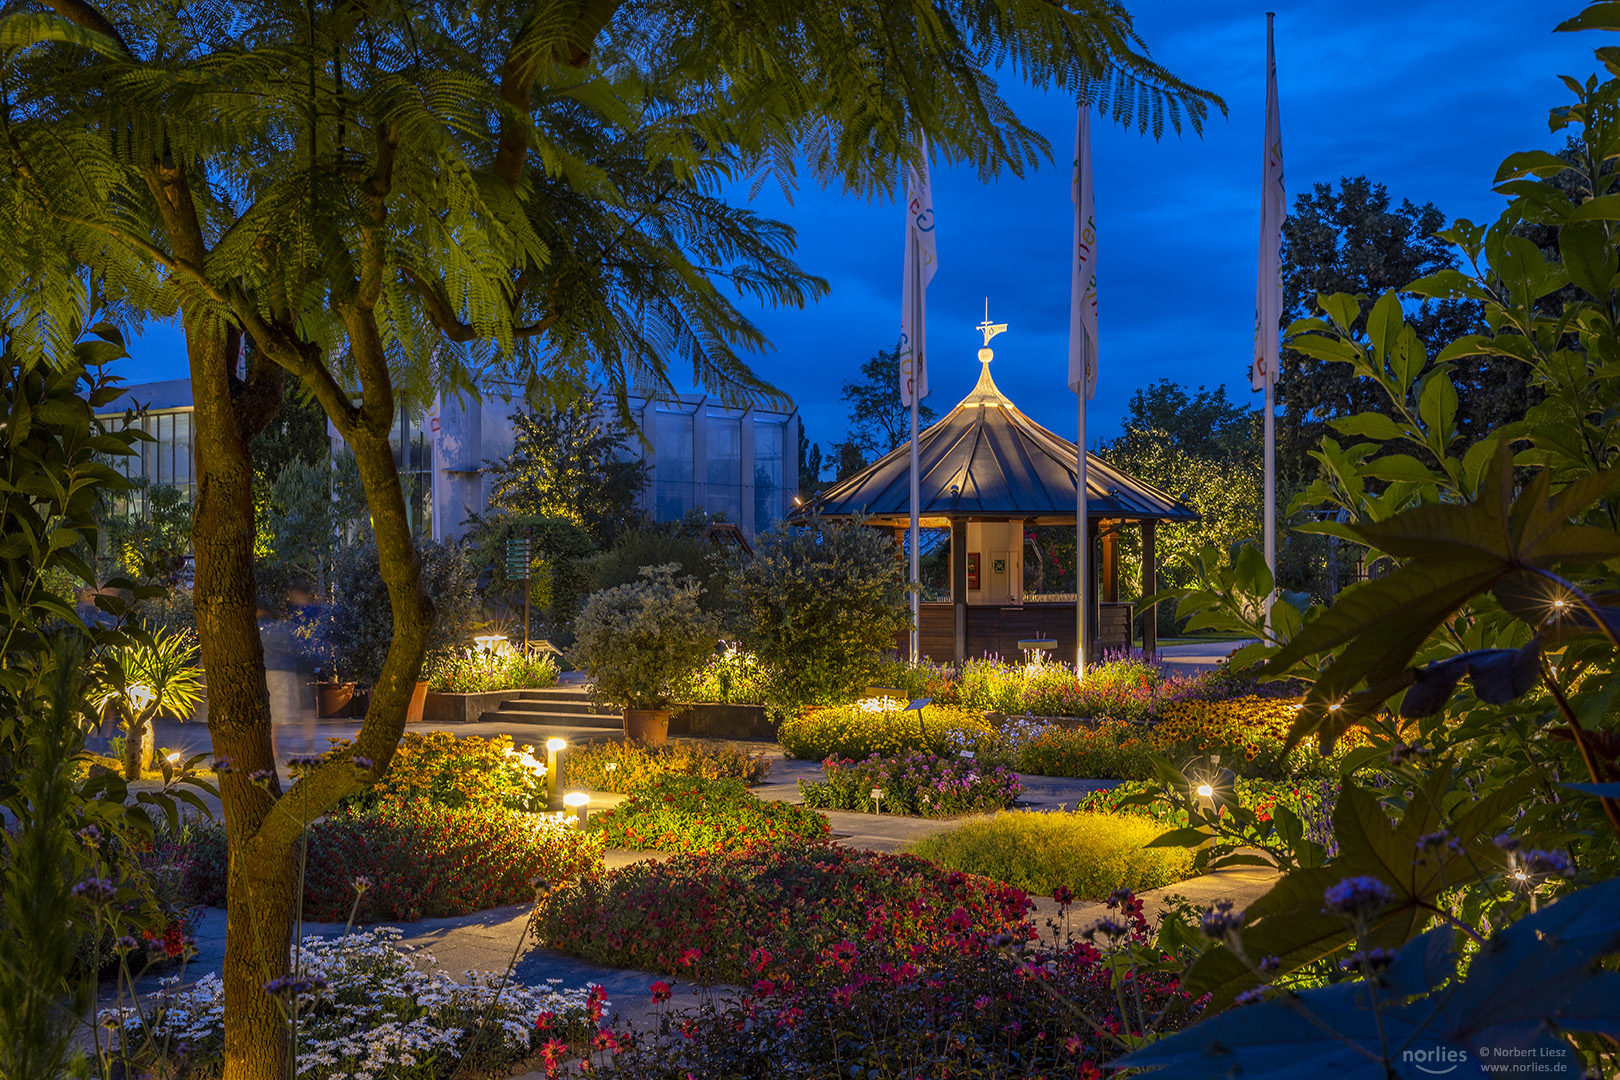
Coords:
pixel 537 712
pixel 565 707
pixel 537 733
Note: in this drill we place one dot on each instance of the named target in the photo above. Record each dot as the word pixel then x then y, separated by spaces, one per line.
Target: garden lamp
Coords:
pixel 140 697
pixel 489 642
pixel 554 745
pixel 578 802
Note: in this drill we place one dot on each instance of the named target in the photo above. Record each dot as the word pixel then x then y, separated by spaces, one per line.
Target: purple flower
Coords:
pixel 224 766
pixel 1549 863
pixel 1251 997
pixel 1369 961
pixel 1221 920
pixel 1355 896
pixel 1507 842
pixel 1270 964
pixel 90 835
pixel 362 763
pixel 262 776
pixel 96 890
pixel 294 985
pixel 304 761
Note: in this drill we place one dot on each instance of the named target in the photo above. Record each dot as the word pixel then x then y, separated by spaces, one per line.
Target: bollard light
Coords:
pixel 578 802
pixel 553 746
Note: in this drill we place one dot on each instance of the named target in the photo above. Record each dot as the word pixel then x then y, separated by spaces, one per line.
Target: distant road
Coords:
pixel 1200 656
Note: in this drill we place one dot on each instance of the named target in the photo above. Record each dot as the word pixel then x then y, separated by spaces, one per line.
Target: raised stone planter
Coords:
pixel 463 708
pixel 721 721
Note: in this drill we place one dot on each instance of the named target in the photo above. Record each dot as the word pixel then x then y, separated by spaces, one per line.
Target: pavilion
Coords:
pixel 986 471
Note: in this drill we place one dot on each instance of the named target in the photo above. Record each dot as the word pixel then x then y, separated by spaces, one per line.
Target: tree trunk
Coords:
pixel 258 923
pixel 134 725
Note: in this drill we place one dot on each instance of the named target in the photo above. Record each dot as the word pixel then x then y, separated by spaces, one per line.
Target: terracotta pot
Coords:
pixel 650 726
pixel 332 699
pixel 413 713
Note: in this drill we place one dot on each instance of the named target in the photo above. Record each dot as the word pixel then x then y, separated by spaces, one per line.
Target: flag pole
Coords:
pixel 1082 369
pixel 1268 301
pixel 916 626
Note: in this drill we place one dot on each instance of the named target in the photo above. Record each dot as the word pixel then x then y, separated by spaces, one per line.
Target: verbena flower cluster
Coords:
pixel 965 1004
pixel 792 907
pixel 370 1008
pixel 914 783
pixel 688 813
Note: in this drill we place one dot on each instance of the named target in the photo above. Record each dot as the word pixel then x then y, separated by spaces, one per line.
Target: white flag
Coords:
pixel 922 259
pixel 1083 282
pixel 1268 303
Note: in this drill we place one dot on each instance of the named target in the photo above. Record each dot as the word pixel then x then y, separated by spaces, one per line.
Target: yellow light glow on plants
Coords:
pixel 140 696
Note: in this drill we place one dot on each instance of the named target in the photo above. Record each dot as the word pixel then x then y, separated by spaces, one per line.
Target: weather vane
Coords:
pixel 989 330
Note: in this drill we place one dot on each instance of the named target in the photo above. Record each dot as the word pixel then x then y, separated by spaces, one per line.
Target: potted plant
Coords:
pixel 640 643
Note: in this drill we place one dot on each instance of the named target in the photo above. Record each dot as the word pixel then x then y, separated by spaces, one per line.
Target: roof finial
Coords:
pixel 989 330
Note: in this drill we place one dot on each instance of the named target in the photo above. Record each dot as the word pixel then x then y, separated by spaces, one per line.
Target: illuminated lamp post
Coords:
pixel 554 745
pixel 578 802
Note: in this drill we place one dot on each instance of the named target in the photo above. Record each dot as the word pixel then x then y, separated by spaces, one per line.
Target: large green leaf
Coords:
pixel 1453 553
pixel 1289 922
pixel 1531 980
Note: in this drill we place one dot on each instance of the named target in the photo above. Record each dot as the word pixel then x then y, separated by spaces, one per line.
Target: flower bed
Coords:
pixel 477 671
pixel 687 813
pixel 446 770
pixel 377 1012
pixel 970 1009
pixel 423 861
pixel 1123 688
pixel 914 783
pixel 1248 733
pixel 1090 854
pixel 1311 802
pixel 776 912
pixel 884 726
pixel 629 767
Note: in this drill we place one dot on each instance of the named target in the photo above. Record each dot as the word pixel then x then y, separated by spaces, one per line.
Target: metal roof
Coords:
pixel 985 459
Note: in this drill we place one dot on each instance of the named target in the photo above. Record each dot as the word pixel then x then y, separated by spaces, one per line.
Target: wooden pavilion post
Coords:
pixel 959 583
pixel 1150 585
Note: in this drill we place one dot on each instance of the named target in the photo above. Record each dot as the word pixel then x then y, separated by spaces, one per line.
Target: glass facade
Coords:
pixel 672 471
pixel 164 460
pixel 768 464
pixel 724 436
pixel 413 455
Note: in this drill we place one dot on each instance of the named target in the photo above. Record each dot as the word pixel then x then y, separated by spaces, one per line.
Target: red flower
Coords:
pixel 660 991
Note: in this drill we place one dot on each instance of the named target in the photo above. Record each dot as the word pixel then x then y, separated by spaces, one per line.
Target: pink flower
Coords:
pixel 660 991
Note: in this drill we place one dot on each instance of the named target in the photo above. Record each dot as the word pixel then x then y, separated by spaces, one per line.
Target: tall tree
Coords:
pixel 878 423
pixel 395 200
pixel 570 462
pixel 1353 239
pixel 1197 446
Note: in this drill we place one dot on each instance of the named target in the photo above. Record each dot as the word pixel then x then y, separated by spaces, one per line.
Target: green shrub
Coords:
pixel 476 671
pixel 883 726
pixel 359 623
pixel 686 813
pixel 733 676
pixel 423 861
pixel 627 768
pixel 820 605
pixel 639 643
pixel 445 770
pixel 660 545
pixel 1091 854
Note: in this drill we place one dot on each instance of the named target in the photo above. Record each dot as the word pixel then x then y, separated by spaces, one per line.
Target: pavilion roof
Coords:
pixel 986 459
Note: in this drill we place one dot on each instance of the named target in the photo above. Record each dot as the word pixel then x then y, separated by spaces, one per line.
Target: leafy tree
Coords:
pixel 548 215
pixel 1353 240
pixel 819 604
pixel 810 465
pixel 662 544
pixel 878 423
pixel 558 574
pixel 572 463
pixel 152 675
pixel 151 543
pixel 1198 447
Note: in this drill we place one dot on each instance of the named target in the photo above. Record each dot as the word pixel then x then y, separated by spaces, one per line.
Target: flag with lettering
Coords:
pixel 1268 303
pixel 922 259
pixel 1083 282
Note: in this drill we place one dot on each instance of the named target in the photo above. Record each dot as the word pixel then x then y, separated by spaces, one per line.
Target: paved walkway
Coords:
pixel 1198 657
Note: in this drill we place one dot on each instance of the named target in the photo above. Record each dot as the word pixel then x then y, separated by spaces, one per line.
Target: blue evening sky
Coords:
pixel 1426 96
